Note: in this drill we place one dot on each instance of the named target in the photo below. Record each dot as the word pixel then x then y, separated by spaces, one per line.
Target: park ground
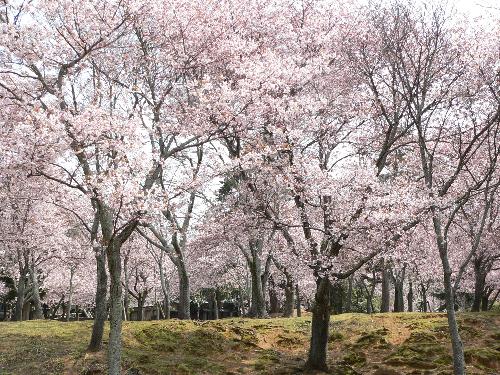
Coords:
pixel 381 344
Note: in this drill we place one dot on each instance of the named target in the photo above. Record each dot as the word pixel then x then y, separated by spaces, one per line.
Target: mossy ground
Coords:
pixel 378 344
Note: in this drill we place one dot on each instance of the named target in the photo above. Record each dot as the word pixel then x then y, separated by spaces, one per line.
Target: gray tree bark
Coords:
pixel 319 326
pixel 38 313
pixel 21 283
pixel 100 302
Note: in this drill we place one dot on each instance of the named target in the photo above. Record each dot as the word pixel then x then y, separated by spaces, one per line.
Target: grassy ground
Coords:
pixel 380 344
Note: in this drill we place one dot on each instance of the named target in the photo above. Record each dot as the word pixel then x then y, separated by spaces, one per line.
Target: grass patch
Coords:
pixel 357 344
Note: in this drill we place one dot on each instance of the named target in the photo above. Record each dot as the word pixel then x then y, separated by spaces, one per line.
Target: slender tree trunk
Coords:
pixel 100 303
pixel 493 300
pixel 289 297
pixel 18 312
pixel 349 294
pixel 479 283
pixel 215 311
pixel 56 307
pixel 410 297
pixel 297 299
pixel 319 326
pixel 424 297
pixel 70 295
pixel 126 295
pixel 386 290
pixel 166 293
pixel 456 341
pixel 38 313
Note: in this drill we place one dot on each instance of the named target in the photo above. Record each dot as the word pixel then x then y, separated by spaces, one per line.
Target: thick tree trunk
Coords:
pixel 386 290
pixel 115 319
pixel 399 305
pixel 320 320
pixel 100 303
pixel 257 304
pixel 297 299
pixel 184 311
pixel 38 313
pixel 18 311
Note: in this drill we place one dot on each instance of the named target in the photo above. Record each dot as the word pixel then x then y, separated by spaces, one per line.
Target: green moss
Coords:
pixel 485 357
pixel 335 336
pixel 412 362
pixel 354 358
pixel 373 338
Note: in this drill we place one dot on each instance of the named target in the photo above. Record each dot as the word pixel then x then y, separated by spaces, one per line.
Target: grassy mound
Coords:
pixel 379 344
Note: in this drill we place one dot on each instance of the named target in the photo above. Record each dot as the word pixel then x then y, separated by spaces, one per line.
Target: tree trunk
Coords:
pixel 215 311
pixel 479 283
pixel 140 308
pixel 289 297
pixel 399 305
pixel 70 295
pixel 410 297
pixel 348 303
pixel 456 341
pixel 115 318
pixel 336 297
pixel 166 293
pixel 297 299
pixel 258 304
pixel 126 295
pixel 484 302
pixel 424 297
pixel 386 290
pixel 18 312
pixel 38 313
pixel 319 326
pixel 100 303
pixel 184 311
